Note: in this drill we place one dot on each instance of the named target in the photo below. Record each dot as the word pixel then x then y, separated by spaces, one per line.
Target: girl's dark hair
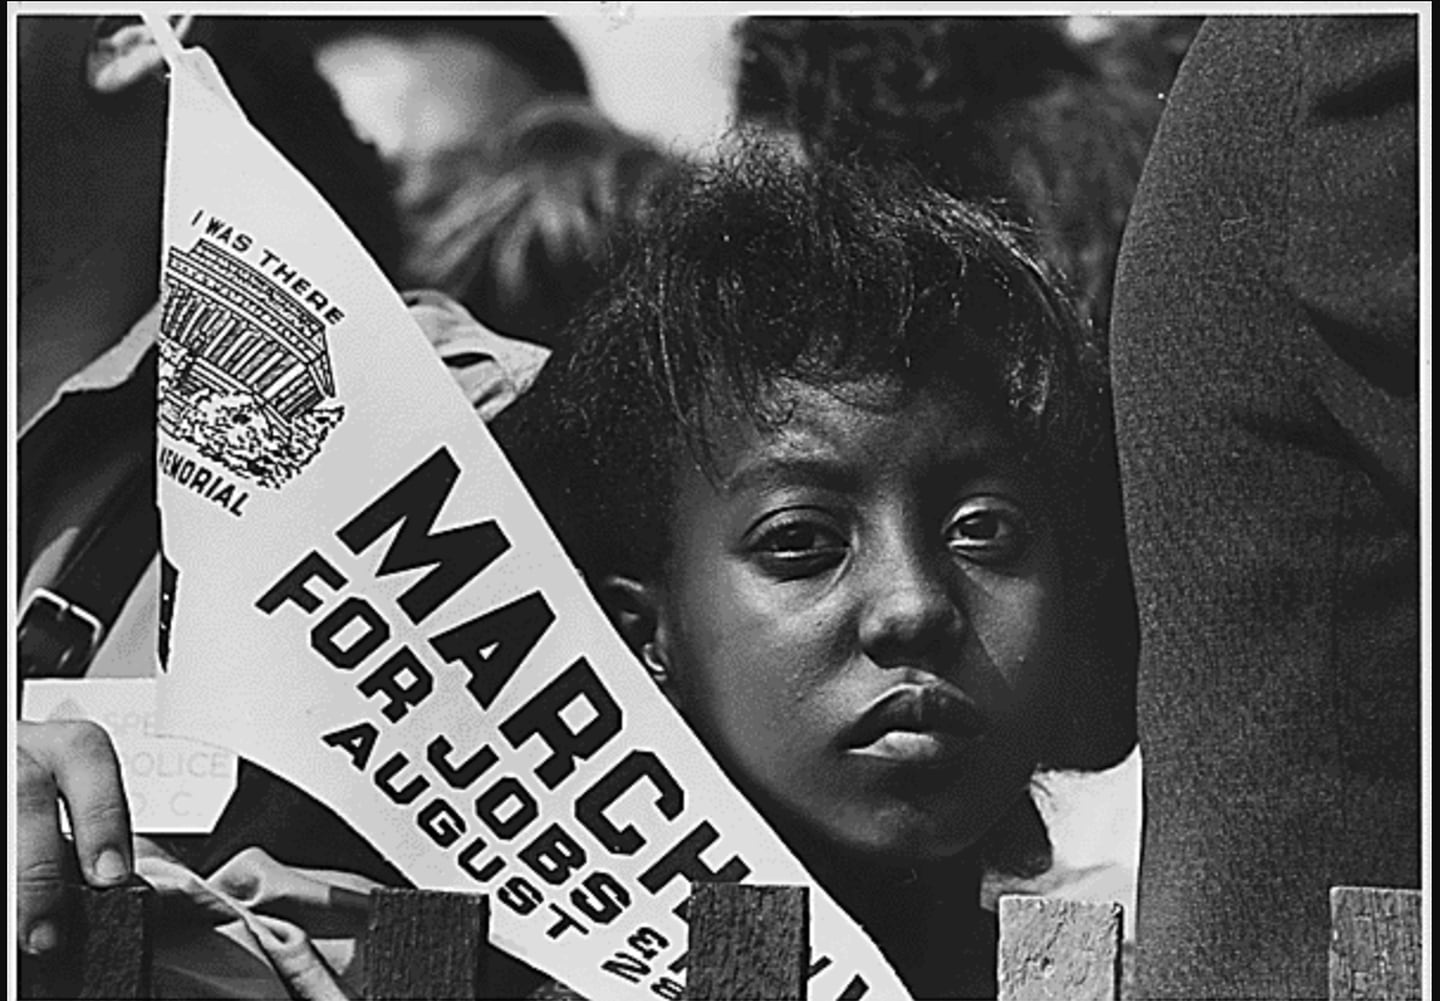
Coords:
pixel 757 267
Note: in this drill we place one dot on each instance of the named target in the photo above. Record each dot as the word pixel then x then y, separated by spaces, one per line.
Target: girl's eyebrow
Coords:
pixel 973 457
pixel 777 470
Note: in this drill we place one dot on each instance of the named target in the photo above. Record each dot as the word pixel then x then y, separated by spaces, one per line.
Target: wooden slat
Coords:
pixel 747 942
pixel 1058 950
pixel 425 944
pixel 107 951
pixel 1374 944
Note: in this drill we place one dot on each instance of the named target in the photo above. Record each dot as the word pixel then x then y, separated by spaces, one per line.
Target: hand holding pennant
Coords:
pixel 360 596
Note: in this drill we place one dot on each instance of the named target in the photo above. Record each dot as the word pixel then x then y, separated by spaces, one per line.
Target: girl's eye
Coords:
pixel 798 548
pixel 988 530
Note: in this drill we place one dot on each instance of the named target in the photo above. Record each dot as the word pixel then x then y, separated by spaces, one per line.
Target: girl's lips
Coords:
pixel 926 725
pixel 910 747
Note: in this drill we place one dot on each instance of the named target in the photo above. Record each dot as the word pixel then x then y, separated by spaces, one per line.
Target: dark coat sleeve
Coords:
pixel 1265 341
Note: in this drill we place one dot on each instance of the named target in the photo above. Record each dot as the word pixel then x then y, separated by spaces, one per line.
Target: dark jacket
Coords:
pixel 1265 343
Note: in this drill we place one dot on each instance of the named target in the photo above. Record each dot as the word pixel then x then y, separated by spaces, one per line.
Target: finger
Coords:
pixel 40 854
pixel 86 772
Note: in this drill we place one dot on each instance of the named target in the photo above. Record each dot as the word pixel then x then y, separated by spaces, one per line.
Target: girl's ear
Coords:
pixel 635 608
pixel 122 51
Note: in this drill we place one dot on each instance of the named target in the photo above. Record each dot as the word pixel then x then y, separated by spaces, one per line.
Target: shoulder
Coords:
pixel 491 368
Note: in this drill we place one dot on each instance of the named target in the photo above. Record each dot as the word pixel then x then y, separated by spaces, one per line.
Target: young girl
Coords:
pixel 834 454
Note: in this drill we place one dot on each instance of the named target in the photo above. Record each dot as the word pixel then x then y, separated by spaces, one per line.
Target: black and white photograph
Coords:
pixel 609 501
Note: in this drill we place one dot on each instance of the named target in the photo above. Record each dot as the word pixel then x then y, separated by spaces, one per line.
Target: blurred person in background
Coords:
pixel 426 90
pixel 1266 370
pixel 520 239
pixel 506 176
pixel 90 158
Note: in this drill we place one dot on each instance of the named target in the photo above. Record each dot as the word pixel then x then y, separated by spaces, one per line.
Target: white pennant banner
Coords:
pixel 360 596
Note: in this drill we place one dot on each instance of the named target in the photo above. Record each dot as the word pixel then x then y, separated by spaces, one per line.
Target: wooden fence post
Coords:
pixel 1374 944
pixel 1058 950
pixel 107 953
pixel 748 942
pixel 426 945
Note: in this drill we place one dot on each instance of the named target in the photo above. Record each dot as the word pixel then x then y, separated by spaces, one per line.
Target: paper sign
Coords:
pixel 173 785
pixel 358 594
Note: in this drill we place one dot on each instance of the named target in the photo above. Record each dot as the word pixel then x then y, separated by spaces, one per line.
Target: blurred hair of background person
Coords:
pixel 506 175
pixel 422 87
pixel 1050 125
pixel 520 238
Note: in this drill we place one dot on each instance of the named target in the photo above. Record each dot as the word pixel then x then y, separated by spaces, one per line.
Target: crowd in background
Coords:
pixel 502 162
pixel 479 163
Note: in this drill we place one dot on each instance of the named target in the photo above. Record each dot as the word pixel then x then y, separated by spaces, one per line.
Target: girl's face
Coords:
pixel 858 617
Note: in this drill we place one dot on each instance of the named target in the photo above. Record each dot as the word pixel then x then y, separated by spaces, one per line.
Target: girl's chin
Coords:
pixel 890 843
pixel 895 834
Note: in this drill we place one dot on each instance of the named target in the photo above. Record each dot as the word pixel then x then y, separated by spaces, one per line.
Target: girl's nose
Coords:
pixel 912 615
